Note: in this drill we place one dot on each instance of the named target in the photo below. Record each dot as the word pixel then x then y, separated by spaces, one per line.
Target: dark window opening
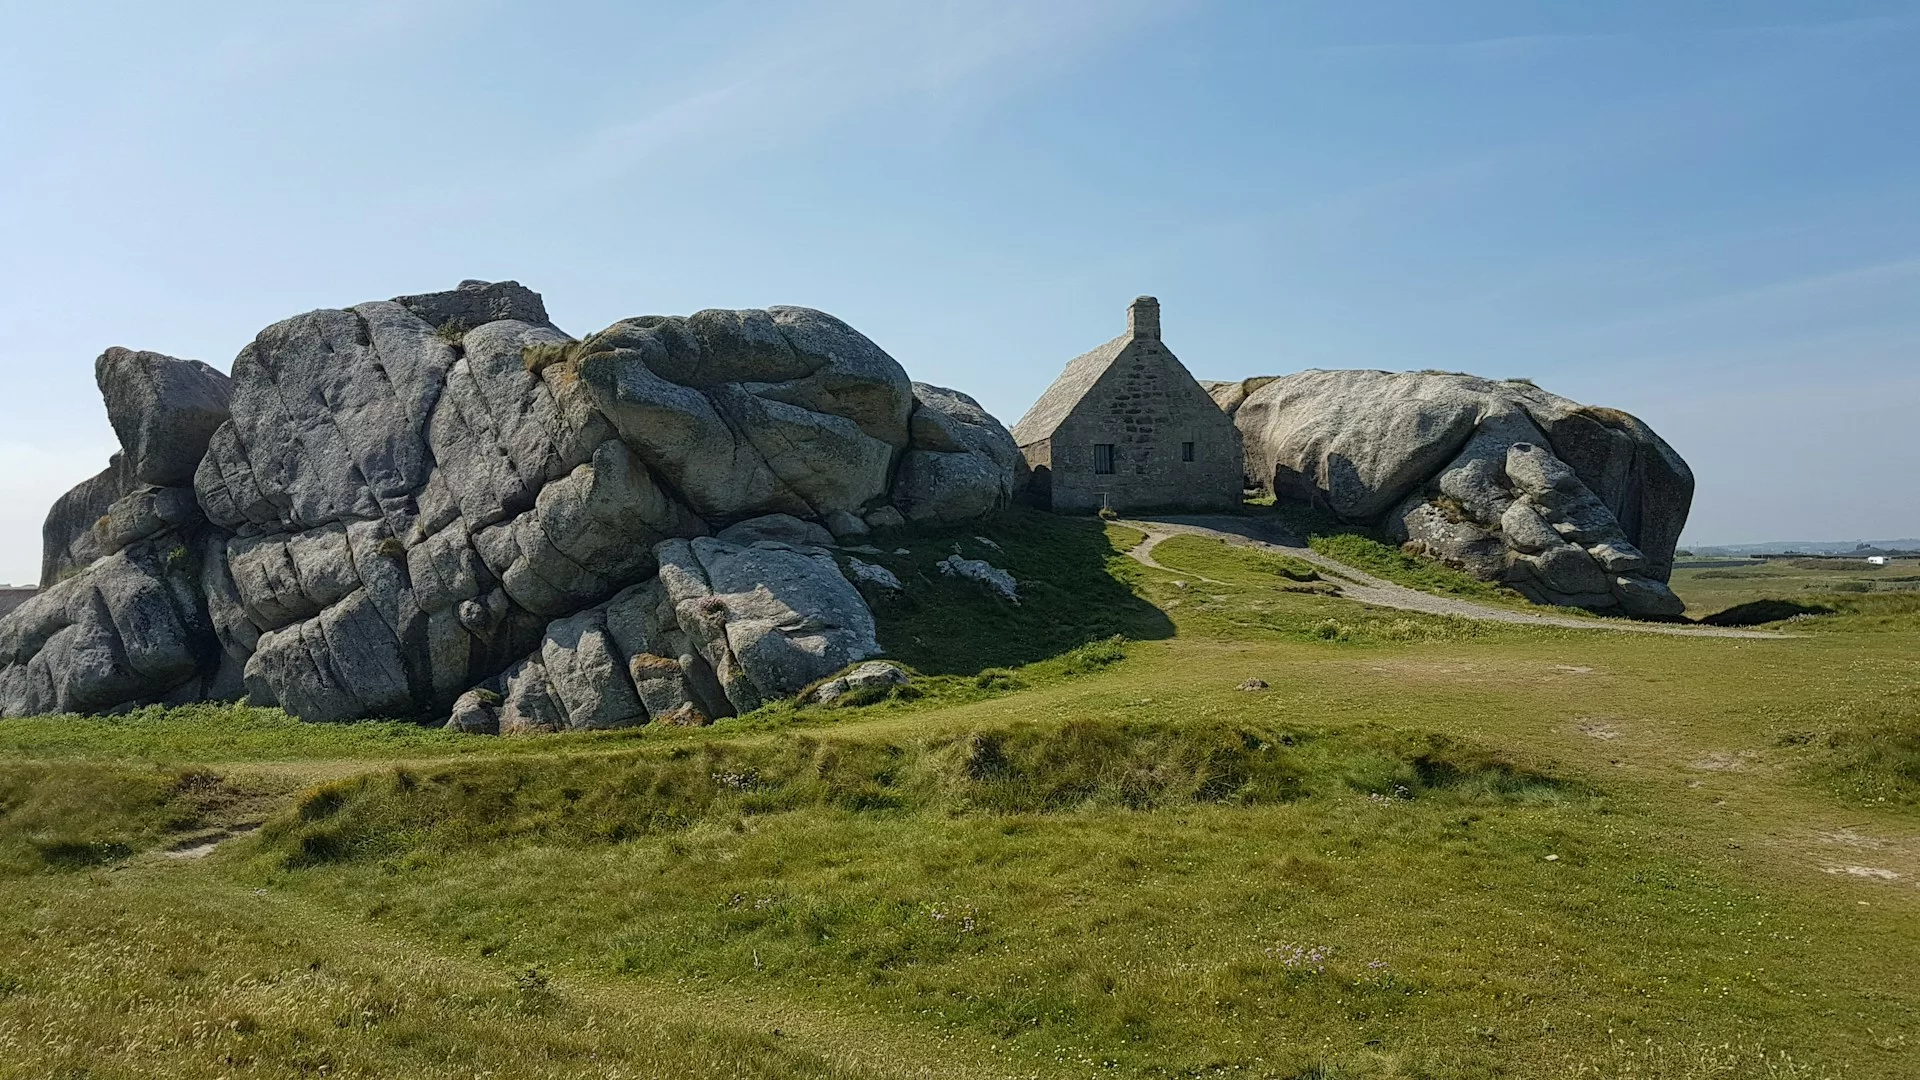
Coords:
pixel 1103 457
pixel 1186 451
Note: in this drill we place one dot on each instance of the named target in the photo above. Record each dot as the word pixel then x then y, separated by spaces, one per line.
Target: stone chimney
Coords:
pixel 1143 318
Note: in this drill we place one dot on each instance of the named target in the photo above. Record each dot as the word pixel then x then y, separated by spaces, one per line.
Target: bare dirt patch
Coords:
pixel 1872 873
pixel 1851 838
pixel 1724 761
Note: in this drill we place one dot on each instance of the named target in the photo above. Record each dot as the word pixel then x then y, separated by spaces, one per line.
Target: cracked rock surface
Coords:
pixel 1568 503
pixel 443 505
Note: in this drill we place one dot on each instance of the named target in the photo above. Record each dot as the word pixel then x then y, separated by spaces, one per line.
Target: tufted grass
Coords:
pixel 133 977
pixel 65 815
pixel 1082 765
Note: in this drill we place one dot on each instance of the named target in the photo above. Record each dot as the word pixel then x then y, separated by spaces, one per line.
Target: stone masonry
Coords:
pixel 1126 426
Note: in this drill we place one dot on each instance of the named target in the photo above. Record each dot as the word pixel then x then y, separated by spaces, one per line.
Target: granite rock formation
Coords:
pixel 444 505
pixel 1570 504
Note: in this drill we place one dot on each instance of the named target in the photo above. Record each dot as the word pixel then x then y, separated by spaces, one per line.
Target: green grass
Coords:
pixel 1084 765
pixel 217 732
pixel 1236 564
pixel 72 815
pixel 1413 571
pixel 120 978
pixel 1075 849
pixel 1074 588
pixel 1229 591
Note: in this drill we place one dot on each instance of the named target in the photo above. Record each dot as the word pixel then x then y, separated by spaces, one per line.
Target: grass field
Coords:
pixel 1428 848
pixel 1809 581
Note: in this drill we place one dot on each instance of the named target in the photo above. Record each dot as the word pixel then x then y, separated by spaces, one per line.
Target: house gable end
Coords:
pixel 1128 427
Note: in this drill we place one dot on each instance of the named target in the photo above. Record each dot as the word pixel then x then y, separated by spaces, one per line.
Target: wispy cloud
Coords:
pixel 1869 26
pixel 1516 47
pixel 274 39
pixel 1847 286
pixel 786 80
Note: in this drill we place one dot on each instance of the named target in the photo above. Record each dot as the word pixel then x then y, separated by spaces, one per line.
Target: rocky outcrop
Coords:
pixel 1568 503
pixel 443 505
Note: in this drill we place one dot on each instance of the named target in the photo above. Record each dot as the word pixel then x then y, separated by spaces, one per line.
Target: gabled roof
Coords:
pixel 1057 403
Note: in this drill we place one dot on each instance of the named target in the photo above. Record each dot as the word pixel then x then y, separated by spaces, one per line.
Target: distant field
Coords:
pixel 1428 848
pixel 1712 585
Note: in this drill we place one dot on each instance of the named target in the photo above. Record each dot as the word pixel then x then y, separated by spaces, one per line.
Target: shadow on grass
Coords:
pixel 1075 587
pixel 1756 612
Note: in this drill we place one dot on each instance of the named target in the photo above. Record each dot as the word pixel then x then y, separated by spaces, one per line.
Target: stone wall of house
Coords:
pixel 1146 406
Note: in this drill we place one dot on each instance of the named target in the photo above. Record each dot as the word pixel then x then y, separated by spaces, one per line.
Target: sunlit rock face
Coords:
pixel 1570 504
pixel 443 504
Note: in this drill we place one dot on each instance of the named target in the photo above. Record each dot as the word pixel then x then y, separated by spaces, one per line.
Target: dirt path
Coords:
pixel 1367 589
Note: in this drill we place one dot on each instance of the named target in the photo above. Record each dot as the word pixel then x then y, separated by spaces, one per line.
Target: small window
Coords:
pixel 1186 451
pixel 1103 457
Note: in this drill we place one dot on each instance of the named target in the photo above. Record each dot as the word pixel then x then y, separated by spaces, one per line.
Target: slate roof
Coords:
pixel 1057 403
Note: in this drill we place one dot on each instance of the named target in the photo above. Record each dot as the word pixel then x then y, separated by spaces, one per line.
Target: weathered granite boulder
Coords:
pixel 872 676
pixel 780 528
pixel 163 410
pixel 441 505
pixel 1569 503
pixel 787 410
pixel 983 572
pixel 961 461
pixel 722 629
pixel 68 541
pixel 128 630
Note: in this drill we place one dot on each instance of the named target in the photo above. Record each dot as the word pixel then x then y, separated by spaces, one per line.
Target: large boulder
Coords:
pixel 1569 503
pixel 960 463
pixel 163 410
pixel 443 505
pixel 745 413
pixel 68 538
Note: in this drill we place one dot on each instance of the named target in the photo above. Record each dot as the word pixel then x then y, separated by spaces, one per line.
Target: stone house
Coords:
pixel 1126 426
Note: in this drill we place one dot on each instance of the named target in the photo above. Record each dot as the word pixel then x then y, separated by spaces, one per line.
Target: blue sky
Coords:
pixel 1707 214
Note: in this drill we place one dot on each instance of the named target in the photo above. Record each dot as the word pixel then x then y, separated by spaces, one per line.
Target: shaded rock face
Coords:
pixel 960 463
pixel 442 504
pixel 164 412
pixel 1568 503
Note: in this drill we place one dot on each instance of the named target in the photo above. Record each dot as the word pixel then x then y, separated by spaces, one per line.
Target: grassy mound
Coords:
pixel 1083 765
pixel 1235 564
pixel 74 815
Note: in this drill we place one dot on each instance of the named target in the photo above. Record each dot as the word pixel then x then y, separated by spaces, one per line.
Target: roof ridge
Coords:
pixel 1079 376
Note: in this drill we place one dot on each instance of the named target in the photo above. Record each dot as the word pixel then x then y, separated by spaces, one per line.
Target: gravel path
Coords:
pixel 1367 589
